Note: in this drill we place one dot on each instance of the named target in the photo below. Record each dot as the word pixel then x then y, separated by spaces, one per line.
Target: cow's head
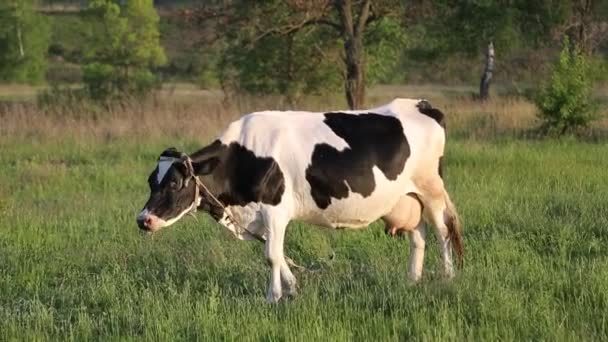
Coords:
pixel 173 192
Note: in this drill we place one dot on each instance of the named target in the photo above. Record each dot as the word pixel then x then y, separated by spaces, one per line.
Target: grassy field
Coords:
pixel 74 266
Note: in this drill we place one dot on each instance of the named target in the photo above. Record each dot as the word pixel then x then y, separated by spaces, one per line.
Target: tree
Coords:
pixel 283 64
pixel 585 23
pixel 565 102
pixel 351 25
pixel 486 77
pixel 470 27
pixel 24 41
pixel 123 48
pixel 336 24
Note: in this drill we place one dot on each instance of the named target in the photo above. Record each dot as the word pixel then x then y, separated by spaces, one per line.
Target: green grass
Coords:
pixel 74 266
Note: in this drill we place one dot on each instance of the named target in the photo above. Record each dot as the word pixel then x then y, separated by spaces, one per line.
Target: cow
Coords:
pixel 339 169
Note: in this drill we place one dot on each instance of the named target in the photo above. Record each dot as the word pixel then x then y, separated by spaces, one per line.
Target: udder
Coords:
pixel 404 217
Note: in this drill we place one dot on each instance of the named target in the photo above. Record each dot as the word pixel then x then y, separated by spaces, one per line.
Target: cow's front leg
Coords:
pixel 276 258
pixel 288 280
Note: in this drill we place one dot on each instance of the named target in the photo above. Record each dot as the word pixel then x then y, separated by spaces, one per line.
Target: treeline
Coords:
pixel 295 47
pixel 85 3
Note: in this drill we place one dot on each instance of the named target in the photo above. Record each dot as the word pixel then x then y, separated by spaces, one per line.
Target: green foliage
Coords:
pixel 290 65
pixel 69 32
pixel 207 79
pixel 122 49
pixel 281 57
pixel 468 26
pixel 24 41
pixel 599 65
pixel 100 79
pixel 485 21
pixel 565 102
pixel 384 42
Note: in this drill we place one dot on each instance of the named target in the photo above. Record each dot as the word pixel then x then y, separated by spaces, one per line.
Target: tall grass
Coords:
pixel 188 112
pixel 184 111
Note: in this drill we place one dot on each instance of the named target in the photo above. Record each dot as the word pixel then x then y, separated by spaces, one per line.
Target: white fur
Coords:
pixel 248 217
pixel 162 223
pixel 164 164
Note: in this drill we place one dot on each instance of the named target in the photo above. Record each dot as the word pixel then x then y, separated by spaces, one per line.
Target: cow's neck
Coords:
pixel 213 180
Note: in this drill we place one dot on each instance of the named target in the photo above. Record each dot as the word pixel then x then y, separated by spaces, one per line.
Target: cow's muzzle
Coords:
pixel 147 221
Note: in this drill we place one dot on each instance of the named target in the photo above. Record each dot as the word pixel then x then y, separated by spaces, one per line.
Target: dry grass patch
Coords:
pixel 185 111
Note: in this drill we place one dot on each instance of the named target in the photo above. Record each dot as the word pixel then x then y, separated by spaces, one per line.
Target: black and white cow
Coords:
pixel 338 169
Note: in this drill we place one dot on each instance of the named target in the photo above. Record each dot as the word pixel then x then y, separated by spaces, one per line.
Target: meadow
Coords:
pixel 73 265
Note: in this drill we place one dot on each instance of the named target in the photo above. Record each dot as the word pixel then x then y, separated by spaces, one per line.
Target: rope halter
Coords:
pixel 206 194
pixel 187 161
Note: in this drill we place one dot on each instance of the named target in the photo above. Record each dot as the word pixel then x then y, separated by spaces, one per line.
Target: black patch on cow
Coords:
pixel 374 140
pixel 425 108
pixel 232 173
pixel 248 178
pixel 440 167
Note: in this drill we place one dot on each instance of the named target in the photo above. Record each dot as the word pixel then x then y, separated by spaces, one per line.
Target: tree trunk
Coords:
pixel 354 83
pixel 484 86
pixel 289 92
pixel 20 41
pixel 582 36
pixel 352 34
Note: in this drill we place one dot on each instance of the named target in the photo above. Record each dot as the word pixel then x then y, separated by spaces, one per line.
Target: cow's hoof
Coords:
pixel 273 297
pixel 290 290
pixel 289 285
pixel 414 279
pixel 449 274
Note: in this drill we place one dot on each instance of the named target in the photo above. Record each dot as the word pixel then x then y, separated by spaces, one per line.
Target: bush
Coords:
pixel 122 50
pixel 565 102
pixel 99 79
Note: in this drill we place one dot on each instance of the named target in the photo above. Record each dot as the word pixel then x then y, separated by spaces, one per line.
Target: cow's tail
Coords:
pixel 452 221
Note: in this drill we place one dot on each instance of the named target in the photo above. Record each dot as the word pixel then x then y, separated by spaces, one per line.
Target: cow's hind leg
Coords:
pixel 440 212
pixel 280 274
pixel 406 216
pixel 441 232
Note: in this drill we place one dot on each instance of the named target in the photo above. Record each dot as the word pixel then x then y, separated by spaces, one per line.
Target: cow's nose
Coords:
pixel 144 222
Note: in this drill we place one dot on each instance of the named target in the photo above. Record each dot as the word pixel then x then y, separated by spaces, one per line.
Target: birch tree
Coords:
pixel 24 41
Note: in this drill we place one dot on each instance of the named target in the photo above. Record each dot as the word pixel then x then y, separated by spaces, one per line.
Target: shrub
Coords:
pixel 565 102
pixel 123 49
pixel 99 79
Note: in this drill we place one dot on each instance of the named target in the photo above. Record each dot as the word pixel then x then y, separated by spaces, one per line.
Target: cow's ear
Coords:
pixel 170 152
pixel 206 166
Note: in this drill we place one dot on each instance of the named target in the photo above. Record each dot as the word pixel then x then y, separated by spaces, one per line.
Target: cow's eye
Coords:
pixel 174 185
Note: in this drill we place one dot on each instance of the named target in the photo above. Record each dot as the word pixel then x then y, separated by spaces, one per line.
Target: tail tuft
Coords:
pixel 454 230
